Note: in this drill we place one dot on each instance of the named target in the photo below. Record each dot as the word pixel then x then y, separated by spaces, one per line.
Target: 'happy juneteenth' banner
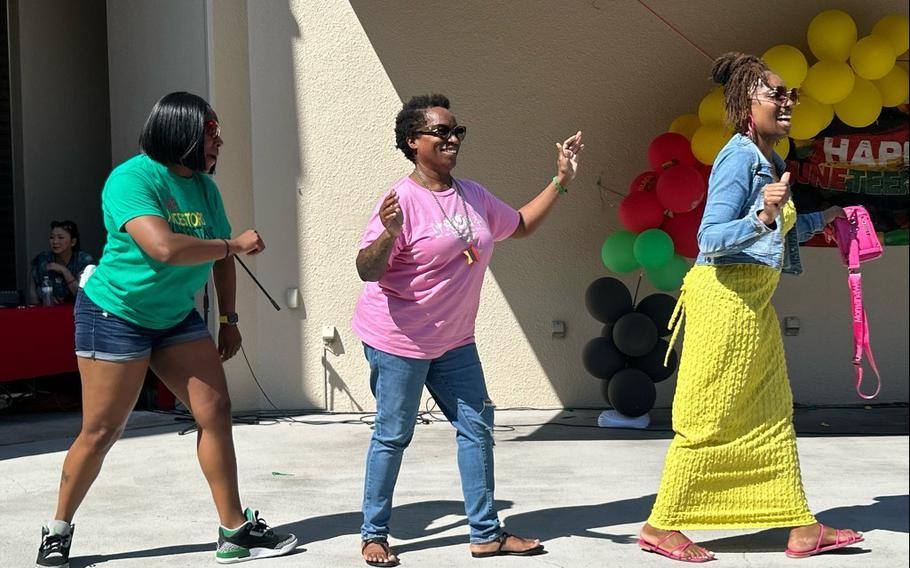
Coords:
pixel 850 166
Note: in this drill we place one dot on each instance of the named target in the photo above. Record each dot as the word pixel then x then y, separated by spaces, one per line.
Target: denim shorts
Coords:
pixel 104 336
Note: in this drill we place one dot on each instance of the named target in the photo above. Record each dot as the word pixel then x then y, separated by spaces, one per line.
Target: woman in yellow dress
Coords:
pixel 733 462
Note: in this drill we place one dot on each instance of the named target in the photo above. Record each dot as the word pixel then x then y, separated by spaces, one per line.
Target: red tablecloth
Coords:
pixel 36 341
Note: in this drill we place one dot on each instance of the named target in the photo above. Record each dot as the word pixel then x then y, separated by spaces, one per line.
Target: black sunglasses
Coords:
pixel 444 132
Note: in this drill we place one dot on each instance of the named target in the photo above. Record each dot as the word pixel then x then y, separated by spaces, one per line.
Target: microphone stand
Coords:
pixel 267 295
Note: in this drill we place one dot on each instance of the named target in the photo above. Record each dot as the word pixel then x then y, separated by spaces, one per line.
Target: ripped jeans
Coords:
pixel 456 382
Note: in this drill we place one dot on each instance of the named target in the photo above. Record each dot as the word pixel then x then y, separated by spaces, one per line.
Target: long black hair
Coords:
pixel 174 132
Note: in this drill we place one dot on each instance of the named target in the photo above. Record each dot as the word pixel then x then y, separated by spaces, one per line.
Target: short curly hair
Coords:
pixel 412 117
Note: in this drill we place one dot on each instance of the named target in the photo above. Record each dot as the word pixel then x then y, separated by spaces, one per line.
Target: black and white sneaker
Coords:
pixel 55 547
pixel 254 539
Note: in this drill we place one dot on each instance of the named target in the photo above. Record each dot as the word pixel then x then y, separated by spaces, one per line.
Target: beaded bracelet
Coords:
pixel 559 186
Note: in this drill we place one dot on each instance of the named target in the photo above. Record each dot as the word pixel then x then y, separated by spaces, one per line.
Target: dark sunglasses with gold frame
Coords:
pixel 780 95
pixel 443 131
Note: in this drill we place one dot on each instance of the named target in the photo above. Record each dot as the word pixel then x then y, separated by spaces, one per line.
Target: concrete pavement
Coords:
pixel 584 491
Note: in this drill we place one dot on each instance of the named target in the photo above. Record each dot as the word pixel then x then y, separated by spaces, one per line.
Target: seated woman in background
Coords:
pixel 62 264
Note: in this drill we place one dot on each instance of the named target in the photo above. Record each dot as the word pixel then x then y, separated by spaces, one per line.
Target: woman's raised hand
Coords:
pixel 390 214
pixel 567 157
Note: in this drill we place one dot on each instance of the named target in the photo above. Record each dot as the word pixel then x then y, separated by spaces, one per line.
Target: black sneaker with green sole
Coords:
pixel 254 539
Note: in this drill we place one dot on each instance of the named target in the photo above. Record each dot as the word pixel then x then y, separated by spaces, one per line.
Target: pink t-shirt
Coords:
pixel 426 302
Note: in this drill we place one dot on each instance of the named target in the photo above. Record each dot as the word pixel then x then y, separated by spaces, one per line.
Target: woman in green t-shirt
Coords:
pixel 166 230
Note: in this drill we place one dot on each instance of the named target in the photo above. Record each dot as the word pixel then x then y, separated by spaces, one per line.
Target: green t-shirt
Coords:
pixel 129 283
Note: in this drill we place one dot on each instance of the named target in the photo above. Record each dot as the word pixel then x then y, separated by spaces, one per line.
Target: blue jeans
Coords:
pixel 455 380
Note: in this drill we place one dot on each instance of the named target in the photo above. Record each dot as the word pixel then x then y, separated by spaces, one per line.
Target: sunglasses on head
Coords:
pixel 212 128
pixel 781 94
pixel 444 132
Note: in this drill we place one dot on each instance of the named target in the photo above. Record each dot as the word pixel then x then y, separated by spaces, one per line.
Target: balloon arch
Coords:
pixel 852 79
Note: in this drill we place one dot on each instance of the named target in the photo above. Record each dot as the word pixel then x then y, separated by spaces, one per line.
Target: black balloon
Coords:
pixel 631 392
pixel 604 391
pixel 635 334
pixel 601 358
pixel 608 299
pixel 652 364
pixel 658 307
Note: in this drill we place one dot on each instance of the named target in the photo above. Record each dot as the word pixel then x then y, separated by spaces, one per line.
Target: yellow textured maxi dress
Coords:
pixel 733 461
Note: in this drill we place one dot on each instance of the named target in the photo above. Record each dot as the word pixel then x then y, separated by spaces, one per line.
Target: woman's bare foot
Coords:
pixel 668 541
pixel 805 539
pixel 507 544
pixel 377 553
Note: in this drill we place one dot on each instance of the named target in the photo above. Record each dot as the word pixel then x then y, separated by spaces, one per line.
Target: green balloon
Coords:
pixel 670 276
pixel 897 237
pixel 653 248
pixel 616 252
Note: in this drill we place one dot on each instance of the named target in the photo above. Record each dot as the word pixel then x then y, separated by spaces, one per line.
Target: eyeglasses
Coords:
pixel 444 132
pixel 212 128
pixel 780 95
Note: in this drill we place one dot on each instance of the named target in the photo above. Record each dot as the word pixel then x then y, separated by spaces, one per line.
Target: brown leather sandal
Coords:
pixel 391 559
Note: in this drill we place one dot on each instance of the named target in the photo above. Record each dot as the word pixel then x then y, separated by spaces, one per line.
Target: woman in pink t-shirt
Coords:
pixel 423 257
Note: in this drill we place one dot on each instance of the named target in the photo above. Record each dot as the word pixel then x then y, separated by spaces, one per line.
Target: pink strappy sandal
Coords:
pixel 838 543
pixel 675 553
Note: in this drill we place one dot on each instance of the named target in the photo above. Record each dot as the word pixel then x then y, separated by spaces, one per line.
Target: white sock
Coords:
pixel 235 529
pixel 58 527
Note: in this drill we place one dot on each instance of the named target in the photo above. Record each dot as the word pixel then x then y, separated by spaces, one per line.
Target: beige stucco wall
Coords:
pixel 326 79
pixel 154 47
pixel 230 97
pixel 65 145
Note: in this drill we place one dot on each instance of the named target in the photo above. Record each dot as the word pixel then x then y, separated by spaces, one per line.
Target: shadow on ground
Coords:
pixel 417 524
pixel 580 424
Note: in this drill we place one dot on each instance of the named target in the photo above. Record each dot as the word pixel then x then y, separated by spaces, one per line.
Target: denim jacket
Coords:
pixel 730 231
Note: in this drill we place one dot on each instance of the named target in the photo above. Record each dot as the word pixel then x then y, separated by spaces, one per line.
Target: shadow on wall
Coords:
pixel 520 85
pixel 276 124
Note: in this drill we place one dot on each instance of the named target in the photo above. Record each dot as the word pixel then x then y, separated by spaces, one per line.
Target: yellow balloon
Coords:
pixel 894 87
pixel 685 124
pixel 831 35
pixel 896 28
pixel 708 140
pixel 862 107
pixel 829 82
pixel 782 147
pixel 788 62
pixel 872 57
pixel 809 118
pixel 903 64
pixel 711 109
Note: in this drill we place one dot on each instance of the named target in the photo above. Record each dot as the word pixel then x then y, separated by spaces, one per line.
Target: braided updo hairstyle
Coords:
pixel 738 73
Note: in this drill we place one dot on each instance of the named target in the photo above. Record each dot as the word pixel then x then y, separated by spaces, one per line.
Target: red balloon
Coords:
pixel 641 210
pixel 645 181
pixel 681 188
pixel 683 229
pixel 705 170
pixel 669 149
